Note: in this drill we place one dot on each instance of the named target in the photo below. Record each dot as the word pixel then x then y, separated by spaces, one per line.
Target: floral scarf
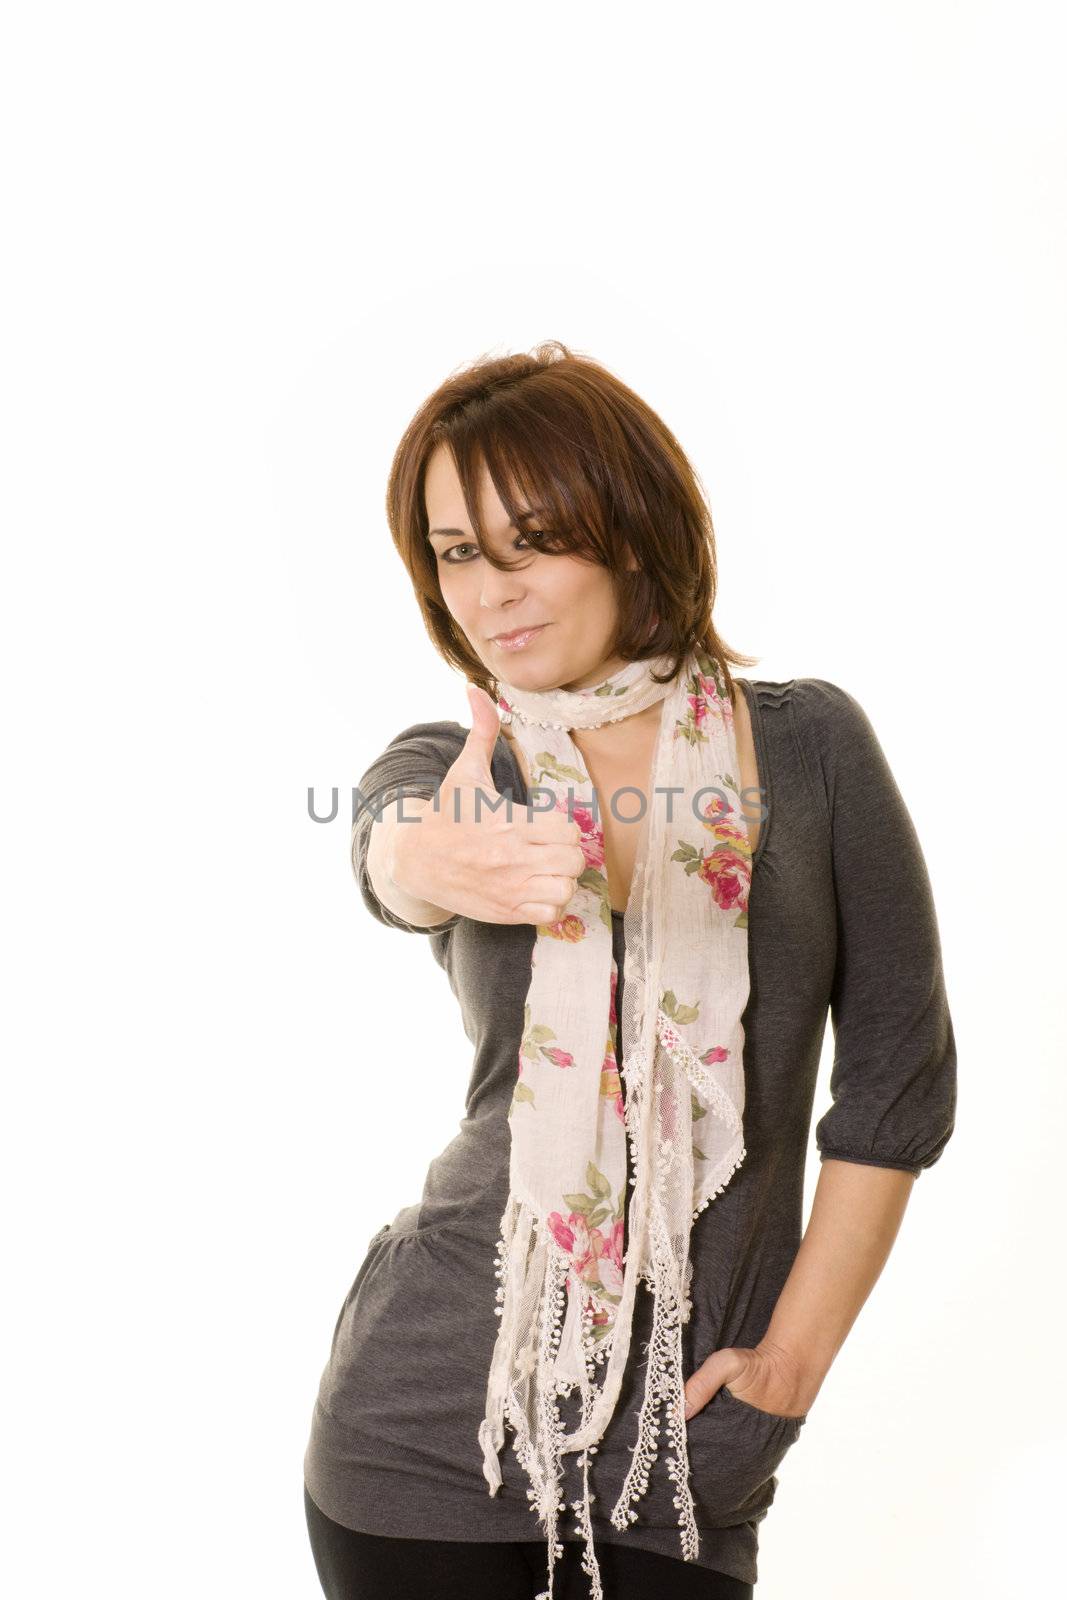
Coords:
pixel 567 1290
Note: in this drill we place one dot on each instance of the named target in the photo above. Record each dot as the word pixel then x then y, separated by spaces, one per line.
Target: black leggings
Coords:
pixel 368 1566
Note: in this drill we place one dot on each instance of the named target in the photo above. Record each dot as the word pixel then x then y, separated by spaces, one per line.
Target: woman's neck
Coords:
pixel 613 741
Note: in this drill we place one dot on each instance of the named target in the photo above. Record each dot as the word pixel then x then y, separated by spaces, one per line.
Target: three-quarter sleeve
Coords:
pixel 893 1081
pixel 414 762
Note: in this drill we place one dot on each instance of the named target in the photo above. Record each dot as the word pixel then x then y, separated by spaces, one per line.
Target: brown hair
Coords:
pixel 606 474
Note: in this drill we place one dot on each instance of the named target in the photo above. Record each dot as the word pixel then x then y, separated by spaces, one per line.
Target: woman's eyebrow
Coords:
pixel 463 533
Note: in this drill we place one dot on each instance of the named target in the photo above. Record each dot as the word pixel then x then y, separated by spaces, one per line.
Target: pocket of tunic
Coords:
pixel 774 1415
pixel 734 1452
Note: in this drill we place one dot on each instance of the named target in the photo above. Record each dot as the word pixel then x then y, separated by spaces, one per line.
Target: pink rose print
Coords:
pixel 717 813
pixel 572 1235
pixel 563 1235
pixel 728 876
pixel 608 1249
pixel 713 1056
pixel 710 689
pixel 596 1257
pixel 611 1085
pixel 610 1078
pixel 586 1261
pixel 558 1057
pixel 730 833
pixel 570 929
pixel 592 835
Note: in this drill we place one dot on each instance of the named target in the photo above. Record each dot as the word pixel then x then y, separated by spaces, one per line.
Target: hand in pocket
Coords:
pixel 762 1378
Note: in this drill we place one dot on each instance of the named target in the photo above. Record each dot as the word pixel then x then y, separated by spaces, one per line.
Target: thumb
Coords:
pixel 473 765
pixel 706 1381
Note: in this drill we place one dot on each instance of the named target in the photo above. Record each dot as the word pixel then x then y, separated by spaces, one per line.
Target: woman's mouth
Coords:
pixel 519 639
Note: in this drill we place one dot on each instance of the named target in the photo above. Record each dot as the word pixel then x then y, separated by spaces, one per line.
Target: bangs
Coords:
pixel 545 488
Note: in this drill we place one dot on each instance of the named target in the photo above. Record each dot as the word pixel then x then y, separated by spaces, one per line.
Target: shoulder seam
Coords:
pixel 764 688
pixel 816 788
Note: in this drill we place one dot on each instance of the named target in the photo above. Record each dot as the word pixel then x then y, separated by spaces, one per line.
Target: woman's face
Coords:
pixel 573 601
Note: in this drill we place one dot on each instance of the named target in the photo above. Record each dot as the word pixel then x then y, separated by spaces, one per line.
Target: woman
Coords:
pixel 647 993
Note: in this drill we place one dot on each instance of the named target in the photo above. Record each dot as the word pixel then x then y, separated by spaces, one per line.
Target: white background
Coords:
pixel 242 243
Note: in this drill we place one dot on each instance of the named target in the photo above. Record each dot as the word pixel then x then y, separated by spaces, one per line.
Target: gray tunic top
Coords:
pixel 841 922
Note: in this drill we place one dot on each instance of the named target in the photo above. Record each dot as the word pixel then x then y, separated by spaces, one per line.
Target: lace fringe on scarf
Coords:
pixel 532 1298
pixel 545 1346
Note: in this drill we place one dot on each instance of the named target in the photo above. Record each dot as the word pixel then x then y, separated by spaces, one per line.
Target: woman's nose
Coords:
pixel 499 587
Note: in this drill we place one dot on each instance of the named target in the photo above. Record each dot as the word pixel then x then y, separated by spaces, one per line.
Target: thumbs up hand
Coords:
pixel 470 858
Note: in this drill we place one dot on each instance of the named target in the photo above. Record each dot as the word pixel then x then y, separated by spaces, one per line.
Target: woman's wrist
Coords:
pixel 393 866
pixel 789 1381
pixel 397 839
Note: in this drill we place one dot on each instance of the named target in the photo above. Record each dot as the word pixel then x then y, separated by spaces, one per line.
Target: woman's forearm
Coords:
pixel 855 1216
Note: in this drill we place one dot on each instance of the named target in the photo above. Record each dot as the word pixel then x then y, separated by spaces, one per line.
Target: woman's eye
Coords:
pixel 450 553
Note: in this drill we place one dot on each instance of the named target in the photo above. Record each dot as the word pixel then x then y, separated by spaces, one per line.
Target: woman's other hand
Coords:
pixel 765 1377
